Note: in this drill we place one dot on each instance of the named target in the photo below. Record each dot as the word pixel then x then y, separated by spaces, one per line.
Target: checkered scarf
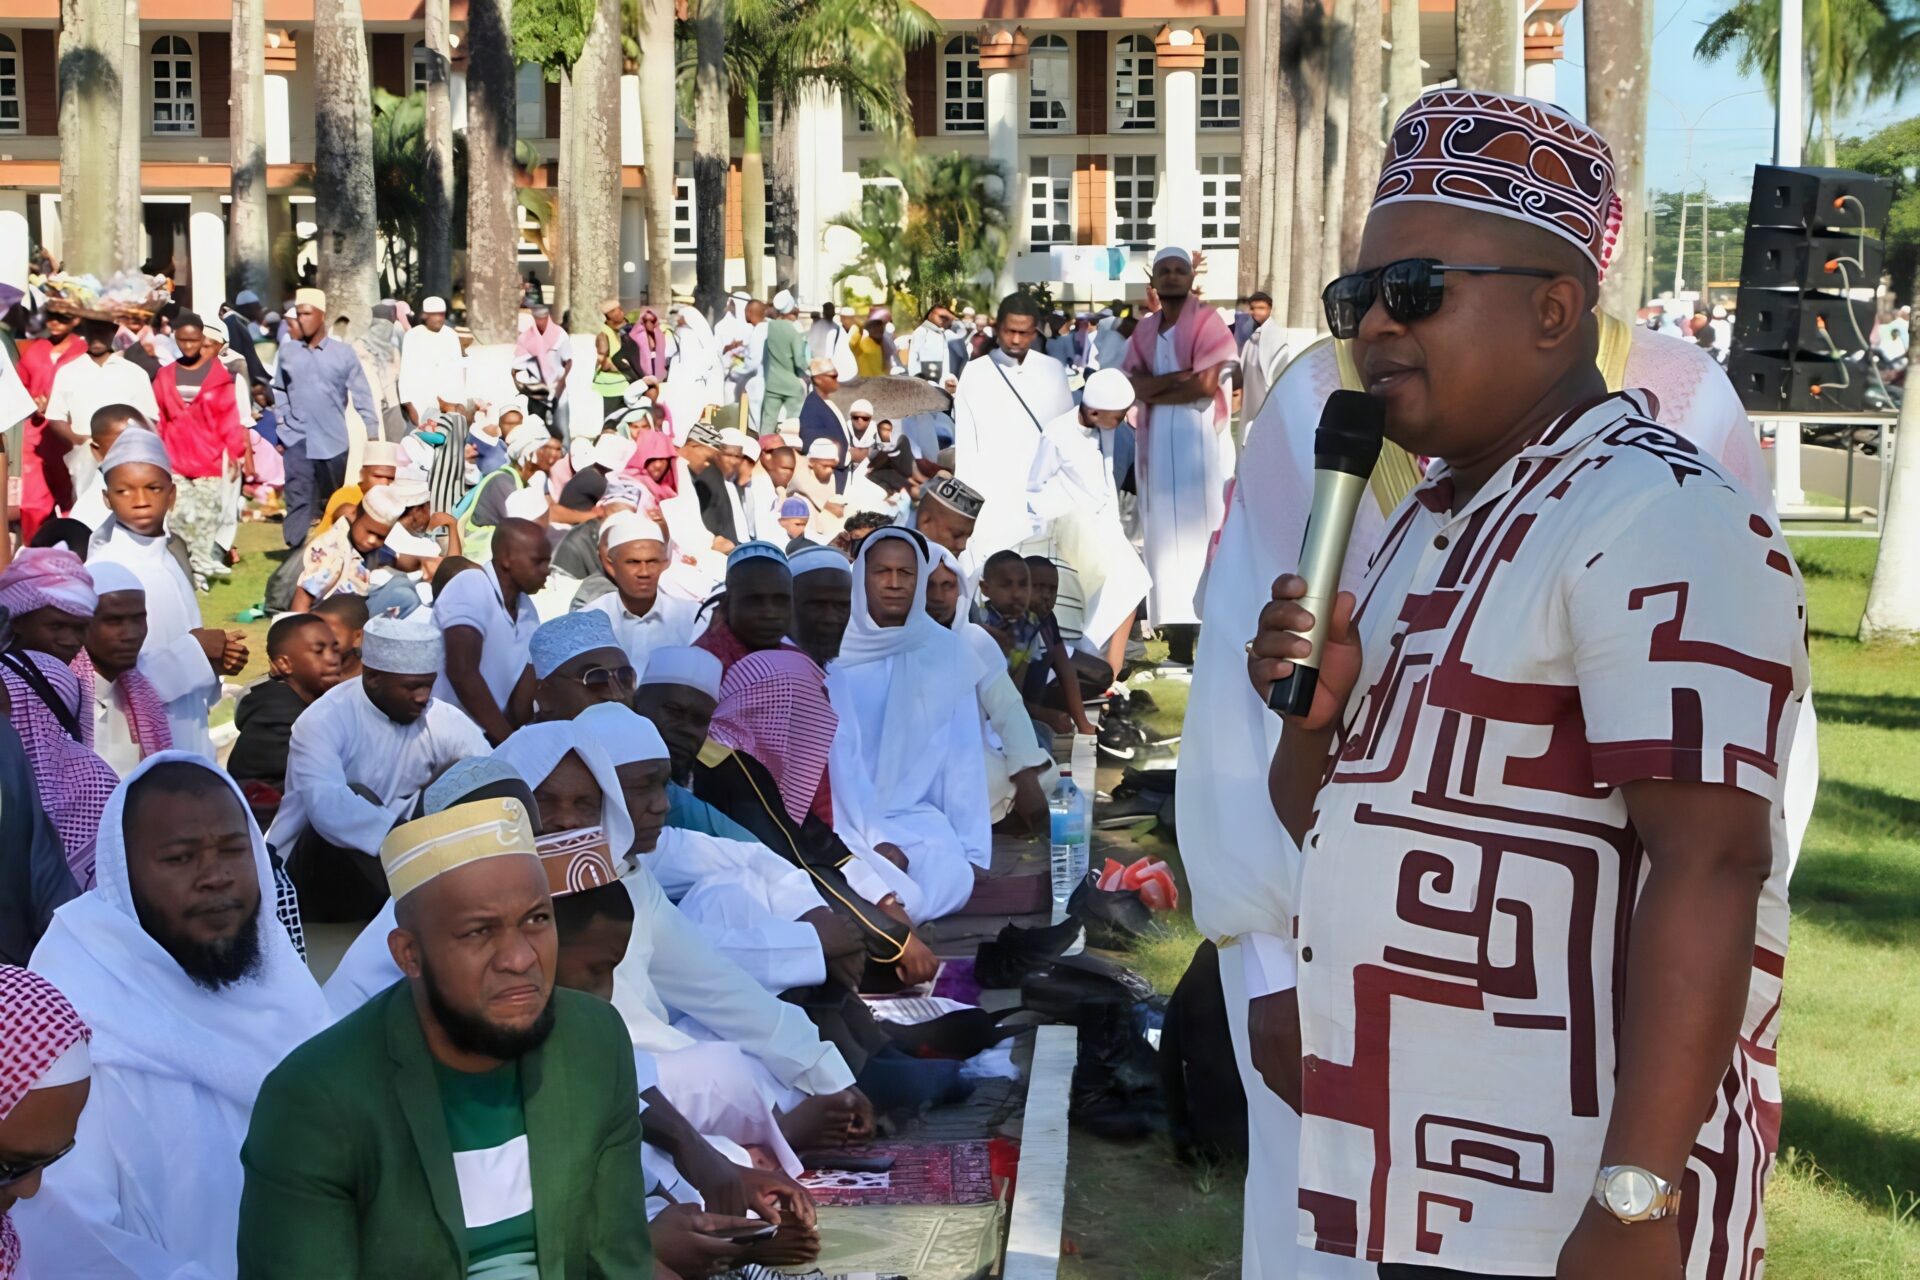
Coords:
pixel 37 1025
pixel 146 714
pixel 74 783
pixel 773 706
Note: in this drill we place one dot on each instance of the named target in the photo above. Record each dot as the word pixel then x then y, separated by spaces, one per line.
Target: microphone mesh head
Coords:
pixel 1351 430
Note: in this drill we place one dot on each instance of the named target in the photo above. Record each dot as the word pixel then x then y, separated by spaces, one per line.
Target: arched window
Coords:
pixel 174 103
pixel 1049 86
pixel 11 120
pixel 963 90
pixel 1220 84
pixel 419 81
pixel 1133 89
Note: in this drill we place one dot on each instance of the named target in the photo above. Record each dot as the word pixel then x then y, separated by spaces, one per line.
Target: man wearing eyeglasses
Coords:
pixel 577 663
pixel 1540 903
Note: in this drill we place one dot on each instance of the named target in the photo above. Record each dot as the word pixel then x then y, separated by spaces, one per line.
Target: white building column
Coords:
pixel 207 252
pixel 1180 53
pixel 1543 42
pixel 15 243
pixel 820 191
pixel 1003 61
pixel 279 121
pixel 633 245
pixel 50 235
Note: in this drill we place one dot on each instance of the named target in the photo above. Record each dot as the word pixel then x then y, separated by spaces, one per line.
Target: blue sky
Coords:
pixel 1727 138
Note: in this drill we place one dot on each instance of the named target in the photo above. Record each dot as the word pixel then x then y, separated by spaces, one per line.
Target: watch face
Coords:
pixel 1630 1193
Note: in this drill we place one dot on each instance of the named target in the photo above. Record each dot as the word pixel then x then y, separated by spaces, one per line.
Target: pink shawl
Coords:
pixel 651 345
pixel 73 781
pixel 540 346
pixel 146 714
pixel 647 446
pixel 1201 340
pixel 773 706
pixel 37 1026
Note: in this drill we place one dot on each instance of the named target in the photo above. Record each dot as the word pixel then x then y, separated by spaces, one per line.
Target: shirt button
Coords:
pixel 1306 955
pixel 1310 1062
pixel 1440 542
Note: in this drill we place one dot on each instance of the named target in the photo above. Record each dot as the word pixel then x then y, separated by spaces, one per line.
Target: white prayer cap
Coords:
pixel 1107 390
pixel 624 490
pixel 580 453
pixel 741 295
pixel 409 646
pixel 783 301
pixel 812 559
pixel 403 541
pixel 1172 251
pixel 110 576
pixel 74 1064
pixel 612 452
pixel 755 550
pixel 431 305
pixel 526 504
pixel 627 736
pixel 561 639
pixel 622 527
pixel 684 665
pixel 823 448
pixel 136 444
pixel 733 438
pixel 820 367
pixel 382 504
pixel 751 449
pixel 860 406
pixel 379 453
pixel 412 492
pixel 526 439
pixel 315 298
pixel 244 297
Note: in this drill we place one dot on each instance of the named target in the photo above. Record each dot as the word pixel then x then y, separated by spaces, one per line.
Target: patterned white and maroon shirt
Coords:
pixel 1608 608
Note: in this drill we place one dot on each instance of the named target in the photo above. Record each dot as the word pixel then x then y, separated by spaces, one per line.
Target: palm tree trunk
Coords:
pixel 1403 67
pixel 753 196
pixel 710 156
pixel 593 214
pixel 91 76
pixel 1256 108
pixel 782 214
pixel 1619 38
pixel 656 143
pixel 133 130
pixel 493 204
pixel 1285 19
pixel 1309 198
pixel 249 239
pixel 560 256
pixel 343 163
pixel 1340 92
pixel 1487 34
pixel 1365 132
pixel 1893 601
pixel 436 222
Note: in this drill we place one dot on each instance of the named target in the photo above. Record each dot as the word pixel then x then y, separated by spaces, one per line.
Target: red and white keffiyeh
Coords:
pixel 146 714
pixel 773 706
pixel 73 781
pixel 47 576
pixel 37 1027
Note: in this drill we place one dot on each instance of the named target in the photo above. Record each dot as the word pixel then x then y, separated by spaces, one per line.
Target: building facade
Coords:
pixel 1118 120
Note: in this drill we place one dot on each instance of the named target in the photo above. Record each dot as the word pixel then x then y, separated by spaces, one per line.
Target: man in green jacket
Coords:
pixel 470 1121
pixel 785 364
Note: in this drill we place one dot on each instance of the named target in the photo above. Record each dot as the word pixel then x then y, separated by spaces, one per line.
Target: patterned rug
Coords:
pixel 942 1173
pixel 919 1242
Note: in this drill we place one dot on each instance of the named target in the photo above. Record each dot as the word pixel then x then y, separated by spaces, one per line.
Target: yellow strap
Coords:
pixel 712 753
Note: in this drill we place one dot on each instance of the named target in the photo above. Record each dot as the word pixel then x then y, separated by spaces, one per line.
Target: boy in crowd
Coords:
pixel 1007 615
pixel 347 615
pixel 303 651
pixel 1060 681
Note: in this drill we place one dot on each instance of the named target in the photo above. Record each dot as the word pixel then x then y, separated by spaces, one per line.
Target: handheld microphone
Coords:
pixel 1345 447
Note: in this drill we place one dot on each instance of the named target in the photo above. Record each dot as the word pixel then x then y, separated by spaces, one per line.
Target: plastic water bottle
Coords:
pixel 1071 817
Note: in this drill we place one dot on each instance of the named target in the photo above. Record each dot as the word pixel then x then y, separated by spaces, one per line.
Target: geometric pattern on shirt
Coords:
pixel 1477 886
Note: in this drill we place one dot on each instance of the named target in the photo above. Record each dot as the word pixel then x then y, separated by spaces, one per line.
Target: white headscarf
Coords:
pixel 147 1015
pixel 985 649
pixel 535 751
pixel 694 381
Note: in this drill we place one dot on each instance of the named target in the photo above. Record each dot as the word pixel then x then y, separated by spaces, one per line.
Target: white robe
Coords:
pixel 342 739
pixel 748 900
pixel 998 413
pixel 670 622
pixel 1243 865
pixel 171 658
pixel 152 1186
pixel 113 739
pixel 1074 505
pixel 432 369
pixel 1182 480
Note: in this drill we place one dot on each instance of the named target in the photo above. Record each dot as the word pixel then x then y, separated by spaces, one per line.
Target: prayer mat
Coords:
pixel 945 1173
pixel 926 1242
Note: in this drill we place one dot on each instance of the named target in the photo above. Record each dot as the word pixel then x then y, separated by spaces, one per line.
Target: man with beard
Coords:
pixel 822 601
pixel 194 993
pixel 469 1120
pixel 359 756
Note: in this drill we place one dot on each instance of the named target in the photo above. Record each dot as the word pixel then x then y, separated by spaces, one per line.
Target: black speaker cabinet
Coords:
pixel 1776 384
pixel 1776 258
pixel 1819 199
pixel 1777 320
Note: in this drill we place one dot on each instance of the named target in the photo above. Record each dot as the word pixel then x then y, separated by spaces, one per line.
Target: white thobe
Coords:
pixel 113 739
pixel 670 972
pixel 998 413
pixel 1262 358
pixel 756 371
pixel 432 369
pixel 171 658
pixel 474 599
pixel 1013 745
pixel 80 388
pixel 668 623
pixel 1182 495
pixel 342 740
pixel 748 901
pixel 1072 500
pixel 928 345
pixel 763 507
pixel 691 537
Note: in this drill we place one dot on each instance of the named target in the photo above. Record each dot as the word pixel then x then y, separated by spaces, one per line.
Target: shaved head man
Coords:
pixel 489 619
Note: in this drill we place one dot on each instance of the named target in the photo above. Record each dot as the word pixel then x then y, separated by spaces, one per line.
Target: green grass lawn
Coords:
pixel 261 551
pixel 1844 1202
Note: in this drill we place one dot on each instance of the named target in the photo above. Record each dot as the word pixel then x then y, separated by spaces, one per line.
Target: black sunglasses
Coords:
pixel 12 1173
pixel 1412 289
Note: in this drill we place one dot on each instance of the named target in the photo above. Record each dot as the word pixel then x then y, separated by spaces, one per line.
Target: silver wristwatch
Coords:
pixel 1633 1194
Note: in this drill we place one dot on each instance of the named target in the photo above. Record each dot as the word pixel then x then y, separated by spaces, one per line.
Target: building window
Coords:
pixel 1219 201
pixel 1133 92
pixel 11 121
pixel 419 66
pixel 1135 180
pixel 1049 202
pixel 1220 84
pixel 862 122
pixel 1049 86
pixel 173 94
pixel 963 90
pixel 530 101
pixel 686 236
